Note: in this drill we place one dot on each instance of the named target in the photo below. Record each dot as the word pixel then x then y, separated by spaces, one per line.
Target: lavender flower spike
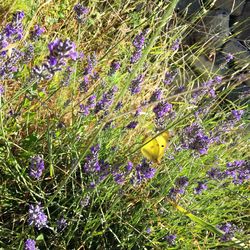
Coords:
pixel 30 245
pixel 36 167
pixel 37 217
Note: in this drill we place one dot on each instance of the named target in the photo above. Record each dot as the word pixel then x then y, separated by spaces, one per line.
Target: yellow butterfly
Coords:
pixel 154 149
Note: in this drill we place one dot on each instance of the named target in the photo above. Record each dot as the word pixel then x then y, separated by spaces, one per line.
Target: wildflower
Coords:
pixel 162 109
pixel 119 105
pixel 91 102
pixel 30 245
pixel 66 77
pixel 170 239
pixel 215 173
pixel 119 178
pixel 28 54
pixel 169 77
pixel 129 166
pixel 156 96
pixel 237 114
pixel 91 161
pixel 238 170
pixel 176 45
pixel 180 184
pixel 148 230
pixel 61 224
pixel 194 138
pixel 37 32
pixel 132 125
pixel 36 167
pixel 200 187
pixel 60 51
pixel 106 100
pixel 229 57
pixel 115 65
pixel 143 172
pixel 37 217
pixel 229 231
pixel 84 85
pixel 91 63
pixel 135 86
pixel 1 90
pixel 81 12
pixel 138 43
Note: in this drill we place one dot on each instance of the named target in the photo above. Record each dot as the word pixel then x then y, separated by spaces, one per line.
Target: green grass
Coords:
pixel 117 216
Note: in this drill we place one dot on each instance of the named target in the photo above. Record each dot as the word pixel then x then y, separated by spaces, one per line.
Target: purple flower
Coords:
pixel 118 106
pixel 200 187
pixel 237 114
pixel 106 100
pixel 169 77
pixel 170 238
pixel 28 54
pixel 162 109
pixel 61 224
pixel 115 65
pixel 30 245
pixel 143 172
pixel 60 52
pixel 135 86
pixel 1 90
pixel 36 167
pixel 37 32
pixel 91 63
pixel 148 230
pixel 119 178
pixel 129 166
pixel 180 184
pixel 81 12
pixel 138 43
pixel 215 173
pixel 156 96
pixel 229 231
pixel 194 138
pixel 176 45
pixel 37 217
pixel 92 163
pixel 132 125
pixel 229 57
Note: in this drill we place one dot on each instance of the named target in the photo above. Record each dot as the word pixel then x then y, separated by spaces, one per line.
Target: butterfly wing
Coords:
pixel 162 142
pixel 151 150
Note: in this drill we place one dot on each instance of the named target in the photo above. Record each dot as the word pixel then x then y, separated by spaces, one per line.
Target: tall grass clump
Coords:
pixel 83 85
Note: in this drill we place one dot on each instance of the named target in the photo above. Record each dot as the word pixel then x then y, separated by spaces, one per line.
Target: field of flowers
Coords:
pixel 84 86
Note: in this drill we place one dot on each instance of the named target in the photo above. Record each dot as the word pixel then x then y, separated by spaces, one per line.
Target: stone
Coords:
pixel 234 7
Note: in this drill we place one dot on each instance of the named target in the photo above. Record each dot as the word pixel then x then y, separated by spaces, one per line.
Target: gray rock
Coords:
pixel 242 25
pixel 234 7
pixel 190 7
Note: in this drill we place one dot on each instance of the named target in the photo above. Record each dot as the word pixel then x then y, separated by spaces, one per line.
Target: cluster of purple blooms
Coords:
pixel 229 231
pixel 89 72
pixel 138 43
pixel 162 109
pixel 13 32
pixel 143 171
pixel 81 13
pixel 195 138
pixel 180 185
pixel 156 96
pixel 30 245
pixel 106 100
pixel 169 77
pixel 135 86
pixel 36 167
pixel 60 52
pixel 170 238
pixel 36 32
pixel 176 45
pixel 91 103
pixel 115 66
pixel 37 217
pixel 238 171
pixel 201 186
pixel 208 88
pixel 61 224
